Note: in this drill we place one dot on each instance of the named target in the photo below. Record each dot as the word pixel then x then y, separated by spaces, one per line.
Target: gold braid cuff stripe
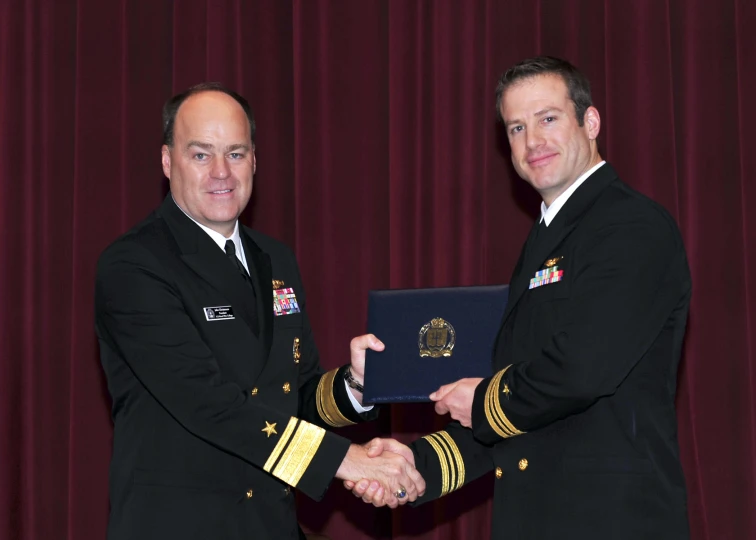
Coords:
pixel 450 460
pixel 457 458
pixel 442 462
pixel 495 415
pixel 282 442
pixel 326 402
pixel 299 453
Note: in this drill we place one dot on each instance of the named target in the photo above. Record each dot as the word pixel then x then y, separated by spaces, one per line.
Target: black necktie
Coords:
pixel 231 253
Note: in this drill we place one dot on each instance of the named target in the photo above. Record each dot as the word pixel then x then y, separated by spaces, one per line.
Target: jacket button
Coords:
pixel 286 388
pixel 523 464
pixel 253 392
pixel 249 494
pixel 499 474
pixel 287 490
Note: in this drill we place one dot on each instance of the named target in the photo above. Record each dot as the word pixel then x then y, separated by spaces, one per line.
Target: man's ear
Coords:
pixel 592 122
pixel 166 161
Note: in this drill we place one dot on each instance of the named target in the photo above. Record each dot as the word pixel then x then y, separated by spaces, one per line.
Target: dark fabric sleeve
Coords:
pixel 141 317
pixel 323 398
pixel 449 459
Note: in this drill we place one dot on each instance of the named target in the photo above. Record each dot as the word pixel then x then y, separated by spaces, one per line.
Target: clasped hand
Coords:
pixel 380 469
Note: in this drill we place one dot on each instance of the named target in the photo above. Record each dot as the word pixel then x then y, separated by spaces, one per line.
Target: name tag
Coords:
pixel 218 313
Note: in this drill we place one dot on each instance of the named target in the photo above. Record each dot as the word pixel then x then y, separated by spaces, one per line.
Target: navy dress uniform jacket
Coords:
pixel 214 424
pixel 577 427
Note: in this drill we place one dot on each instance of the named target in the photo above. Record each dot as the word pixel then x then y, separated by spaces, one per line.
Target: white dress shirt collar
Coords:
pixel 219 239
pixel 548 213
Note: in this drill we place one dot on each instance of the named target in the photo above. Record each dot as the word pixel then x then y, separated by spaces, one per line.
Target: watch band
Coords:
pixel 352 382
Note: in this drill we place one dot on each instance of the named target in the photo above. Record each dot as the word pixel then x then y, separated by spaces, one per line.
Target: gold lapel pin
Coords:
pixel 551 262
pixel 277 284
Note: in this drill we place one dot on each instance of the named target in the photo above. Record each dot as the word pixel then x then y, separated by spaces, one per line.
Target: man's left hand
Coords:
pixel 357 347
pixel 457 399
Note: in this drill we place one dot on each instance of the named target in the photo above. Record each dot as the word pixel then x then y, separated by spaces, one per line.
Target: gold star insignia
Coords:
pixel 269 428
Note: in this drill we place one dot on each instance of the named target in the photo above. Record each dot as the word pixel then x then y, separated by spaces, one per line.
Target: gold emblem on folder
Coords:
pixel 436 338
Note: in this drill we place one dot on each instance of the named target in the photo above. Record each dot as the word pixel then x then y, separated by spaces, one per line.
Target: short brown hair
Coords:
pixel 578 87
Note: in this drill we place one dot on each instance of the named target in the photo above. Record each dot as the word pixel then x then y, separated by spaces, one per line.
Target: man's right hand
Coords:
pixel 371 490
pixel 376 473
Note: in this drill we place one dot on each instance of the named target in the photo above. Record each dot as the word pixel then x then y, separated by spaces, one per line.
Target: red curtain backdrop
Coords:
pixel 381 163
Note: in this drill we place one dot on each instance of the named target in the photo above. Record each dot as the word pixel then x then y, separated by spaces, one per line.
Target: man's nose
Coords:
pixel 220 168
pixel 533 138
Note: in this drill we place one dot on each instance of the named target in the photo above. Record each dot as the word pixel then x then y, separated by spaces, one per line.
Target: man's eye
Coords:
pixel 516 129
pixel 549 119
pixel 235 155
pixel 200 156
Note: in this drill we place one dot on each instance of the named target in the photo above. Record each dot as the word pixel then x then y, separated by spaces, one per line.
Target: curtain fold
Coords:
pixel 381 163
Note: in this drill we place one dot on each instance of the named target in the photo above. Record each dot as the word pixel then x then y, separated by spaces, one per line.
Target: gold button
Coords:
pixel 499 474
pixel 286 388
pixel 253 391
pixel 249 494
pixel 287 490
pixel 523 464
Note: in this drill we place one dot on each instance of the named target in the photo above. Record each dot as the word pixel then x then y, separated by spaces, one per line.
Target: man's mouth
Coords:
pixel 540 160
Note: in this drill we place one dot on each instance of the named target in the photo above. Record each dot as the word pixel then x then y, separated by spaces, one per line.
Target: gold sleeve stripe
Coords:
pixel 442 461
pixel 490 410
pixel 298 455
pixel 495 415
pixel 450 460
pixel 326 402
pixel 457 458
pixel 282 442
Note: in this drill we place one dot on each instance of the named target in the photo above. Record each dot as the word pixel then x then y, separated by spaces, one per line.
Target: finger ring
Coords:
pixel 402 493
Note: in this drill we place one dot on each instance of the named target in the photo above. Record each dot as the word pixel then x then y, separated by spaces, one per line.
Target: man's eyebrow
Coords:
pixel 209 147
pixel 237 146
pixel 204 146
pixel 547 110
pixel 542 112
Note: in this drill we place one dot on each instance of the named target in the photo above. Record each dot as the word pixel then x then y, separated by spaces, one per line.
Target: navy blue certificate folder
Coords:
pixel 432 337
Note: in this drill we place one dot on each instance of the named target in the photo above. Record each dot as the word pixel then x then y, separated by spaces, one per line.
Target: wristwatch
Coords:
pixel 352 382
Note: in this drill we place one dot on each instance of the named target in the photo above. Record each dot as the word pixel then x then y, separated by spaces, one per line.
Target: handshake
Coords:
pixel 382 472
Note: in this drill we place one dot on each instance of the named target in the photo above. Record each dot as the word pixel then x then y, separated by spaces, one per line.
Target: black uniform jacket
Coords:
pixel 578 426
pixel 213 423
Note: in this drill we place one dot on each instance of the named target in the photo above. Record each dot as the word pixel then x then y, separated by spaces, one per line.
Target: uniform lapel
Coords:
pixel 262 280
pixel 204 256
pixel 537 250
